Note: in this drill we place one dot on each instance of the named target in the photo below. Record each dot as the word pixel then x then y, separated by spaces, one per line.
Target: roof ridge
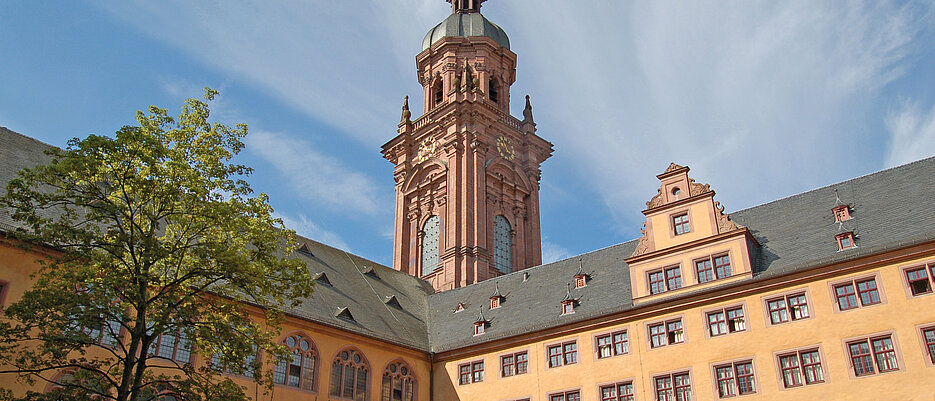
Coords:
pixel 2 128
pixel 847 181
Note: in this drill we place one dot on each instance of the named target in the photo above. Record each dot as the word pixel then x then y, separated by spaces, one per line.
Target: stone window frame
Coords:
pixel 710 259
pixel 472 372
pixel 927 266
pixel 927 354
pixel 561 344
pixel 731 307
pixel 672 225
pixel 900 360
pixel 757 379
pixel 513 354
pixel 875 276
pixel 798 351
pixel 665 322
pixel 613 344
pixel 665 278
pixel 632 381
pixel 564 393
pixel 672 373
pixel 766 299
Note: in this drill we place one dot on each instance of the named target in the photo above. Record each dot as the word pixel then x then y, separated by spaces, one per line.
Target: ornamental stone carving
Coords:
pixel 644 245
pixel 723 221
pixel 696 188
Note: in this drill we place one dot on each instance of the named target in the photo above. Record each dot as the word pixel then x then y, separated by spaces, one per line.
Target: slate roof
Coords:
pixel 890 209
pixel 362 294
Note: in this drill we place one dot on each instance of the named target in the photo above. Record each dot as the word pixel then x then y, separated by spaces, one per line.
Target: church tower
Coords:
pixel 467 172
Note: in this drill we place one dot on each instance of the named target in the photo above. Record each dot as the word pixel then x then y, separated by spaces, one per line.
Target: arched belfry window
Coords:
pixel 430 245
pixel 502 244
pixel 437 92
pixel 300 370
pixel 493 91
pixel 349 375
pixel 398 383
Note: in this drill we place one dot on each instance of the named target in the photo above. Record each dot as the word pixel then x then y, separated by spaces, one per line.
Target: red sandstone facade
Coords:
pixel 466 161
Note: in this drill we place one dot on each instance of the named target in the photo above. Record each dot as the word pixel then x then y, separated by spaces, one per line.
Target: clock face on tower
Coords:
pixel 505 147
pixel 426 150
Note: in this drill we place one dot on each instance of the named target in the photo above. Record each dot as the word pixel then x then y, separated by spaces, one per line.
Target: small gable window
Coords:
pixel 845 240
pixel 841 213
pixel 568 307
pixel 680 224
pixel 480 328
pixel 305 249
pixel 494 302
pixel 459 308
pixel 581 278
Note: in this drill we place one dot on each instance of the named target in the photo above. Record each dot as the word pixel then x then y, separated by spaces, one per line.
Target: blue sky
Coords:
pixel 762 99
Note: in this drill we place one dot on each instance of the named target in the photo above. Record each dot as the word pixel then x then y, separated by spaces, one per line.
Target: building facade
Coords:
pixel 826 294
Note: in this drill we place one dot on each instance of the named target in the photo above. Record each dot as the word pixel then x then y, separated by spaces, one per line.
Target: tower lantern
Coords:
pixel 466 171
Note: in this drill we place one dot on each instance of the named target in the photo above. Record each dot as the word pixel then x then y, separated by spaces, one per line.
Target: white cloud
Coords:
pixel 552 252
pixel 913 134
pixel 313 175
pixel 341 63
pixel 754 96
pixel 307 228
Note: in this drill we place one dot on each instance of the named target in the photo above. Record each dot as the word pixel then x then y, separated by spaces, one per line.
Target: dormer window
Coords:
pixel 497 298
pixel 842 213
pixel 680 224
pixel 459 308
pixel 845 240
pixel 568 307
pixel 480 325
pixel 581 278
pixel 569 302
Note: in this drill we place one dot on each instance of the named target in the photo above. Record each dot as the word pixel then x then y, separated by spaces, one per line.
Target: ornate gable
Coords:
pixel 686 235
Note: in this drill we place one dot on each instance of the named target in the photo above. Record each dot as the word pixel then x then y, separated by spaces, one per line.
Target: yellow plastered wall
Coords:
pixel 900 315
pixel 16 265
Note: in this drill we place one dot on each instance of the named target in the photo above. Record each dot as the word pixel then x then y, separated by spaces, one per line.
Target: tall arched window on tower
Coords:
pixel 349 374
pixel 430 245
pixel 437 92
pixel 502 245
pixel 493 91
pixel 398 383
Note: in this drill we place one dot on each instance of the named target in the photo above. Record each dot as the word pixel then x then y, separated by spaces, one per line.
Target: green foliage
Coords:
pixel 154 231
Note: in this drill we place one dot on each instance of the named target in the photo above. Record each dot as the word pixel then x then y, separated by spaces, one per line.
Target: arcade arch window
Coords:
pixel 248 370
pixel 349 375
pixel 173 344
pixel 300 370
pixel 430 245
pixel 502 244
pixel 398 383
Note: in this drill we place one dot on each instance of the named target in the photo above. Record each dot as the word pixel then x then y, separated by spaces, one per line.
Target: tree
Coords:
pixel 158 246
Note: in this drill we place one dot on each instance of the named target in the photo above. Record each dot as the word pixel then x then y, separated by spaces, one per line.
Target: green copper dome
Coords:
pixel 466 25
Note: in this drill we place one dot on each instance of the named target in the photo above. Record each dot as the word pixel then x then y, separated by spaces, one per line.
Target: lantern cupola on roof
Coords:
pixel 465 21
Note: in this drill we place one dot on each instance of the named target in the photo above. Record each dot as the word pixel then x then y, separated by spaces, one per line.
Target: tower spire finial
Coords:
pixel 465 6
